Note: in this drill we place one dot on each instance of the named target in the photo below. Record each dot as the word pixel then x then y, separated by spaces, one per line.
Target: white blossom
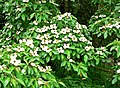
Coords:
pixel 118 71
pixel 74 38
pixel 83 39
pixel 33 53
pixel 33 64
pixel 25 0
pixel 99 52
pixel 65 46
pixel 60 50
pixel 35 22
pixel 2 67
pixel 56 41
pixel 41 69
pixel 45 48
pixel 71 60
pixel 65 38
pixel 29 43
pixel 87 48
pixel 78 26
pixel 118 63
pixel 19 49
pixel 14 61
pixel 40 81
pixel 23 71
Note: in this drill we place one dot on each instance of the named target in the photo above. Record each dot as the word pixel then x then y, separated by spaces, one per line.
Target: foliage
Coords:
pixel 42 48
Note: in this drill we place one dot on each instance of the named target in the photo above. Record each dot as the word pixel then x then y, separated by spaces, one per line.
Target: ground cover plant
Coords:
pixel 40 47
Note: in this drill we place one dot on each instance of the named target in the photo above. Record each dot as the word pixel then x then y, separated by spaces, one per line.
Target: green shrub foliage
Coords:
pixel 38 44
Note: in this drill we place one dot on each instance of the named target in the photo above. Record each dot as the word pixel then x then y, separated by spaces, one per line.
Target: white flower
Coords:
pixel 23 71
pixel 40 81
pixel 65 46
pixel 19 49
pixel 103 48
pixel 54 31
pixel 46 41
pixel 89 42
pixel 63 31
pixel 74 38
pixel 70 35
pixel 118 63
pixel 14 61
pixel 83 39
pixel 47 36
pixel 99 52
pixel 101 15
pixel 78 26
pixel 2 67
pixel 53 26
pixel 35 22
pixel 71 60
pixel 33 53
pixel 59 17
pixel 68 29
pixel 10 26
pixel 33 64
pixel 65 38
pixel 14 56
pixel 45 48
pixel 18 9
pixel 118 71
pixel 7 38
pixel 18 32
pixel 76 31
pixel 87 48
pixel 38 36
pixel 25 0
pixel 84 26
pixel 56 41
pixel 60 50
pixel 48 68
pixel 29 43
pixel 41 69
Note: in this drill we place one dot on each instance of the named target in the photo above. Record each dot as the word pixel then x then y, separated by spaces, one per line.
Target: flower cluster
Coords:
pixel 19 49
pixel 14 61
pixel 116 25
pixel 28 42
pixel 60 17
pixel 34 53
pixel 42 69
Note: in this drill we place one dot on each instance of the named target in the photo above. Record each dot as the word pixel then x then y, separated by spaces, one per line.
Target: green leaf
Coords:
pixel 23 9
pixel 114 80
pixel 30 82
pixel 105 34
pixel 67 52
pixel 75 68
pixel 6 81
pixel 47 59
pixel 23 17
pixel 118 53
pixel 62 57
pixel 63 63
pixel 13 81
pixel 55 52
pixel 62 84
pixel 86 58
pixel 32 15
pixel 21 81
